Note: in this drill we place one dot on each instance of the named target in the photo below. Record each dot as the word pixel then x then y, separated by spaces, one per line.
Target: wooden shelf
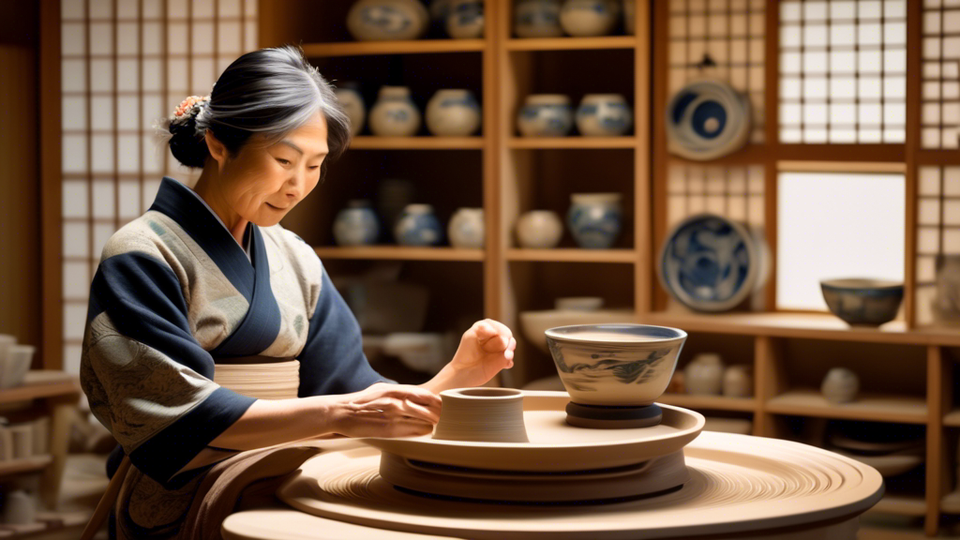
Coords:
pixel 400 253
pixel 716 403
pixel 365 48
pixel 571 43
pixel 41 384
pixel 902 505
pixel 369 142
pixel 573 255
pixel 23 466
pixel 801 325
pixel 952 418
pixel 571 142
pixel 880 408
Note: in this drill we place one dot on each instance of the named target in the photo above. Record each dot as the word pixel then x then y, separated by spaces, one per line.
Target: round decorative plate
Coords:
pixel 555 445
pixel 709 263
pixel 707 120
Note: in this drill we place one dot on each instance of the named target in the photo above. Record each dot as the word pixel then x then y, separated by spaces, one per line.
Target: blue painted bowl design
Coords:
pixel 863 302
pixel 615 364
pixel 709 263
pixel 706 120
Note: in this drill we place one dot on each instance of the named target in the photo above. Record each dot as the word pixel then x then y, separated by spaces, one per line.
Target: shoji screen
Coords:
pixel 125 65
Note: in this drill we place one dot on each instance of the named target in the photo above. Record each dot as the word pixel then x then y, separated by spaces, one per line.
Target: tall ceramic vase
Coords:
pixel 394 114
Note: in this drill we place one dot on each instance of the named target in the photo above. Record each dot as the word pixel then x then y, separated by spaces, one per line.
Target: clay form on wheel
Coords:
pixel 482 414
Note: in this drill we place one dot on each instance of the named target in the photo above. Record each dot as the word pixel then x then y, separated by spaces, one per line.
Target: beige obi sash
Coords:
pixel 260 377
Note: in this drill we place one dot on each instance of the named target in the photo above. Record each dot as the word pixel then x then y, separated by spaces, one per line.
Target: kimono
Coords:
pixel 174 294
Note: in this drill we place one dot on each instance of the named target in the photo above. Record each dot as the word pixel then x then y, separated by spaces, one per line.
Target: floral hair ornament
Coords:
pixel 182 112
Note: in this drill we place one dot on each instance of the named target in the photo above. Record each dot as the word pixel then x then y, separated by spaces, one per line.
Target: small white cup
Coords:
pixel 22 435
pixel 20 508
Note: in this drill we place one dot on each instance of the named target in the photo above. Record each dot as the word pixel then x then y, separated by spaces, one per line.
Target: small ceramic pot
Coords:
pixel 394 114
pixel 453 113
pixel 22 437
pixel 417 226
pixel 594 219
pixel 583 18
pixel 377 20
pixel 20 508
pixel 704 375
pixel 482 415
pixel 840 385
pixel 738 381
pixel 629 16
pixel 465 19
pixel 539 229
pixel 604 115
pixel 466 228
pixel 352 103
pixel 863 302
pixel 615 364
pixel 545 115
pixel 356 225
pixel 537 18
pixel 16 364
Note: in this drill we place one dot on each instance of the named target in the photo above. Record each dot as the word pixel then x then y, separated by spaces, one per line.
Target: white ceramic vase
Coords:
pixel 453 113
pixel 738 381
pixel 604 115
pixel 704 375
pixel 840 386
pixel 537 18
pixel 353 105
pixel 377 20
pixel 545 115
pixel 394 114
pixel 466 228
pixel 465 19
pixel 356 225
pixel 539 229
pixel 584 18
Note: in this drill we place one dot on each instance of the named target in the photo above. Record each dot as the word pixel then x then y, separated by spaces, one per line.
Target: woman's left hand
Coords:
pixel 486 348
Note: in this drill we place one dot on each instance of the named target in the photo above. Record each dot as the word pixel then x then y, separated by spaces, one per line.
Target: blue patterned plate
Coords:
pixel 709 263
pixel 706 120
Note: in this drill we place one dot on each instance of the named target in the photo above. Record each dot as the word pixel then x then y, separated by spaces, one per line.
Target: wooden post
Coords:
pixel 937 394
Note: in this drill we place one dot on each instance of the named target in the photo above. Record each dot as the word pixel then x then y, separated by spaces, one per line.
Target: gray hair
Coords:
pixel 269 92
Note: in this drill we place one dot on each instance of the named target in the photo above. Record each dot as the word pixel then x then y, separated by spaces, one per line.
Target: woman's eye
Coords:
pixel 283 161
pixel 315 167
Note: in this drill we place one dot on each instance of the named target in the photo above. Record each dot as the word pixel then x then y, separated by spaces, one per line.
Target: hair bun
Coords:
pixel 188 146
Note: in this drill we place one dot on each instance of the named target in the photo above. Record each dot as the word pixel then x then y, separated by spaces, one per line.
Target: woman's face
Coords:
pixel 263 183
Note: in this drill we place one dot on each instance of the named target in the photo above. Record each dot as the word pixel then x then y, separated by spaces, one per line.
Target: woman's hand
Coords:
pixel 486 348
pixel 384 410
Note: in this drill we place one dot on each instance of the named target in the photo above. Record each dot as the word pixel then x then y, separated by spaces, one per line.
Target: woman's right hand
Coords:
pixel 384 410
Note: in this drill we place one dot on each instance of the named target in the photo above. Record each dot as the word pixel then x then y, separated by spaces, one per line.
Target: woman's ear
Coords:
pixel 217 149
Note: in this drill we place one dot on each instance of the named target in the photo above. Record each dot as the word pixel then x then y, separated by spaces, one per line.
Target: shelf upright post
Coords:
pixel 938 399
pixel 642 171
pixel 768 383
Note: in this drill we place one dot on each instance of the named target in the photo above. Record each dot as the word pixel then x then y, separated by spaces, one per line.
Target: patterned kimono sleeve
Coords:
pixel 147 378
pixel 332 361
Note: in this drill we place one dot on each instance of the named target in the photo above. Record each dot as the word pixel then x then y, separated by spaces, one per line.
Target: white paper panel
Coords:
pixel 73 39
pixel 71 9
pixel 152 107
pixel 129 199
pixel 100 9
pixel 103 153
pixel 926 269
pixel 103 202
pixel 128 113
pixel 150 188
pixel 74 320
pixel 177 78
pixel 101 233
pixel 928 240
pixel 74 199
pixel 73 76
pixel 101 75
pixel 152 74
pixel 951 241
pixel 202 9
pixel 223 63
pixel 928 211
pixel 102 110
pixel 153 154
pixel 152 38
pixel 129 154
pixel 152 9
pixel 128 9
pixel 250 8
pixel 250 36
pixel 74 153
pixel 76 280
pixel 101 38
pixel 229 8
pixel 929 181
pixel 178 9
pixel 76 240
pixel 128 74
pixel 228 37
pixel 202 41
pixel 128 38
pixel 71 361
pixel 203 76
pixel 74 113
pixel 177 38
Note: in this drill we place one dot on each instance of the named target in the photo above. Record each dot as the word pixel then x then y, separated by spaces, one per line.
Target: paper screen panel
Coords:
pixel 938 232
pixel 940 72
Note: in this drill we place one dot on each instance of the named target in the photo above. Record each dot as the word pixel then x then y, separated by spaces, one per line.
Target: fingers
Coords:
pixel 493 336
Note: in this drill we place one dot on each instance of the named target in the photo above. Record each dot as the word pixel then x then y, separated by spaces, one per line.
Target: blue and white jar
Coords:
pixel 466 228
pixel 585 18
pixel 707 119
pixel 356 225
pixel 594 219
pixel 417 226
pixel 377 20
pixel 537 18
pixel 352 102
pixel 394 114
pixel 604 115
pixel 453 113
pixel 545 115
pixel 465 19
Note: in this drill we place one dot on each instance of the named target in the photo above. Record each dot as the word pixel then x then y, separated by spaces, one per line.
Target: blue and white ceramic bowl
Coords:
pixel 356 225
pixel 417 226
pixel 546 115
pixel 465 19
pixel 595 219
pixel 604 115
pixel 453 113
pixel 707 120
pixel 710 263
pixel 615 364
pixel 863 302
pixel 537 18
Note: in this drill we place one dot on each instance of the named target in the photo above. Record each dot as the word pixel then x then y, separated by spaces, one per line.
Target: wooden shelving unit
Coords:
pixel 907 372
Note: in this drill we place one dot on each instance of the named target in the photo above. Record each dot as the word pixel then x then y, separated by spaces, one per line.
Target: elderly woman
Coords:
pixel 208 277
